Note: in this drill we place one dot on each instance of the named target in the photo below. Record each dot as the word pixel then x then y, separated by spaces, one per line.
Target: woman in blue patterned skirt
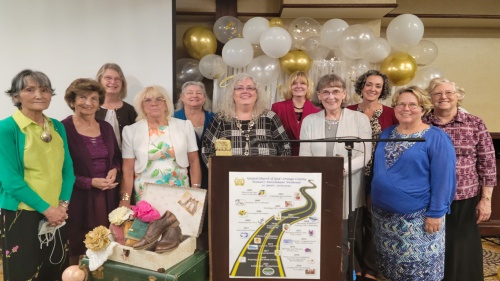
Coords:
pixel 412 188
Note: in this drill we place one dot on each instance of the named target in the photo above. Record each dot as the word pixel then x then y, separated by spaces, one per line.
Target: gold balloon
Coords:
pixel 199 41
pixel 400 68
pixel 295 61
pixel 276 22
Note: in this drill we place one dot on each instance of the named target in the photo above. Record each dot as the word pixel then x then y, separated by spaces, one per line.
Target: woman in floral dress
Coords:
pixel 157 148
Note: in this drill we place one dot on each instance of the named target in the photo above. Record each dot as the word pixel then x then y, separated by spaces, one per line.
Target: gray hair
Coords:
pixel 227 108
pixel 117 68
pixel 21 81
pixel 154 91
pixel 208 103
pixel 460 92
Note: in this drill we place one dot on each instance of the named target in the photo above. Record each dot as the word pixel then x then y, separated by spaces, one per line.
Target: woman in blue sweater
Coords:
pixel 412 188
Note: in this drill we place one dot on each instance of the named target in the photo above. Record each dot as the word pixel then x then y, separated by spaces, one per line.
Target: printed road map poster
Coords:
pixel 274 225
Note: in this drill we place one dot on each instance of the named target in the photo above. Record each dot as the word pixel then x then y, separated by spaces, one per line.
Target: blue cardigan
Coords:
pixel 13 188
pixel 422 178
pixel 181 114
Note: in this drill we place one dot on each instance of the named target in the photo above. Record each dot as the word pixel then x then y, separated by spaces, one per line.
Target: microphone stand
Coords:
pixel 349 146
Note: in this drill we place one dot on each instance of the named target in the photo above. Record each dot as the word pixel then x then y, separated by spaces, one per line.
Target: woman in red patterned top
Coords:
pixel 476 177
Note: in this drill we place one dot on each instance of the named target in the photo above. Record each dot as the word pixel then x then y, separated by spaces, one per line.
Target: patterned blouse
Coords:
pixel 267 127
pixel 476 164
pixel 161 167
pixel 395 149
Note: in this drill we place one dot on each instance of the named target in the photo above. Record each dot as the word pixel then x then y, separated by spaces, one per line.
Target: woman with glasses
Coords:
pixel 36 181
pixel 476 177
pixel 97 161
pixel 157 148
pixel 242 118
pixel 412 188
pixel 114 109
pixel 296 106
pixel 336 122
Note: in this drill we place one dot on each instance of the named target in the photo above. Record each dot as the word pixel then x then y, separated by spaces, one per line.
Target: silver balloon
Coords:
pixel 187 70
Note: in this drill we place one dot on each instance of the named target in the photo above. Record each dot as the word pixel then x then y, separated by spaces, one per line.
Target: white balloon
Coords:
pixel 212 66
pixel 331 31
pixel 264 68
pixel 425 75
pixel 237 52
pixel 424 53
pixel 380 50
pixel 313 48
pixel 356 41
pixel 404 32
pixel 302 28
pixel 275 42
pixel 253 28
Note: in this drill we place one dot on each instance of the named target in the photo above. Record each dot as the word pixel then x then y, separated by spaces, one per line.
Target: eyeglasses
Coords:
pixel 240 88
pixel 150 101
pixel 411 105
pixel 447 94
pixel 109 79
pixel 327 93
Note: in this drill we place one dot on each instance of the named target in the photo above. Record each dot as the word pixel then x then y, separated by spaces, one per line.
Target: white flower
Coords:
pixel 120 215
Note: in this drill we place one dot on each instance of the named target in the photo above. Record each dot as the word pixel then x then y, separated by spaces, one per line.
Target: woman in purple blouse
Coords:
pixel 97 161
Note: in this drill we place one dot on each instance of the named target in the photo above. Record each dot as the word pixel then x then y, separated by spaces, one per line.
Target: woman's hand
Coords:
pixel 104 183
pixel 112 174
pixel 55 216
pixel 432 224
pixel 483 209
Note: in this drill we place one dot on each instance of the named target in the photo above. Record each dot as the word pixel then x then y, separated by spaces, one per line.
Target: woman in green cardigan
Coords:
pixel 36 181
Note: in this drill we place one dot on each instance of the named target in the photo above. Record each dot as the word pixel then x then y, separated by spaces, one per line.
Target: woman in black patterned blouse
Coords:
pixel 242 118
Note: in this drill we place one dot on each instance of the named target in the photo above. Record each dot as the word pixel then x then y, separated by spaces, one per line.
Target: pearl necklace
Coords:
pixel 247 135
pixel 331 123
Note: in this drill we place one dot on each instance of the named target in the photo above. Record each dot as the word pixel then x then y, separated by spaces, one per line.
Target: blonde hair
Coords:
pixel 298 75
pixel 422 96
pixel 460 92
pixel 154 91
pixel 208 103
pixel 227 108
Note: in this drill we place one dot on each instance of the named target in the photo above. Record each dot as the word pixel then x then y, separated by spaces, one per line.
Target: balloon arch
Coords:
pixel 270 52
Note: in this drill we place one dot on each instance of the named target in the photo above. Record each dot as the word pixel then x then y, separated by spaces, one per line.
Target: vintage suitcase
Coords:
pixel 194 268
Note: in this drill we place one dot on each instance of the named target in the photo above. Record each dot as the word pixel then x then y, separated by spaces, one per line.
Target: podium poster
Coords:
pixel 275 217
pixel 274 225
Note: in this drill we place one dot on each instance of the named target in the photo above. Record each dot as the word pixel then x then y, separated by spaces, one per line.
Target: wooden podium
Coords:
pixel 328 169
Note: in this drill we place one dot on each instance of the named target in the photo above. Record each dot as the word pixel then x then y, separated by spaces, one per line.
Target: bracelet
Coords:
pixel 64 203
pixel 486 197
pixel 197 184
pixel 125 196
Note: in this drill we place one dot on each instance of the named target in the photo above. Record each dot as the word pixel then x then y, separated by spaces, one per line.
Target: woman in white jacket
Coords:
pixel 157 148
pixel 337 122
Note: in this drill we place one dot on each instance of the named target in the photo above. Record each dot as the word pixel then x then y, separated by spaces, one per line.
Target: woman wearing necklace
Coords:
pixel 36 181
pixel 243 117
pixel 158 148
pixel 373 87
pixel 296 106
pixel 97 161
pixel 412 188
pixel 336 122
pixel 115 110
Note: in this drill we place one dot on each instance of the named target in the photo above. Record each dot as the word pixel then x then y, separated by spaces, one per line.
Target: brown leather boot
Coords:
pixel 155 229
pixel 170 240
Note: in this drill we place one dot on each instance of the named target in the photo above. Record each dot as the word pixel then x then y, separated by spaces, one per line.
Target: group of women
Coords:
pixel 114 149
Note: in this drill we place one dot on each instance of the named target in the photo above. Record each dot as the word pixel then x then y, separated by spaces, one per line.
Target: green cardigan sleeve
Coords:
pixel 13 188
pixel 68 174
